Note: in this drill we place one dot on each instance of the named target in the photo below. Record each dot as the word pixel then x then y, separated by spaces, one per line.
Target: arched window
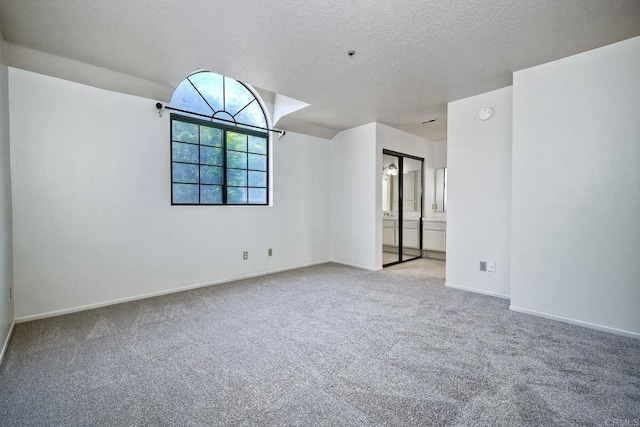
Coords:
pixel 219 143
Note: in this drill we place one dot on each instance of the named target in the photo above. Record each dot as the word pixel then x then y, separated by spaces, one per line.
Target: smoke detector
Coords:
pixel 485 113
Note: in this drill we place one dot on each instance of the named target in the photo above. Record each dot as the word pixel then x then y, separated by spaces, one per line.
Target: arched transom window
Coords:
pixel 219 143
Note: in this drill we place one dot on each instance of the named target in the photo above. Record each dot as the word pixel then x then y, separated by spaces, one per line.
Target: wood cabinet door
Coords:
pixel 434 240
pixel 389 236
pixel 410 238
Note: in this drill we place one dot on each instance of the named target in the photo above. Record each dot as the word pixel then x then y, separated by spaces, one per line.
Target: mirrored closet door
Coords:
pixel 402 179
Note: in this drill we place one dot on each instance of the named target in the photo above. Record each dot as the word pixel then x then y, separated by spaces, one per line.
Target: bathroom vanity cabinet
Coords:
pixel 410 230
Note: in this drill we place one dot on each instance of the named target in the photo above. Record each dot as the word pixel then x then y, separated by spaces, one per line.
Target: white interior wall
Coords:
pixel 353 177
pixel 479 193
pixel 440 154
pixel 439 161
pixel 389 138
pixel 6 245
pixel 93 219
pixel 576 189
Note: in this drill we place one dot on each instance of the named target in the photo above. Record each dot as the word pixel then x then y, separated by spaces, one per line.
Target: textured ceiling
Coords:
pixel 412 56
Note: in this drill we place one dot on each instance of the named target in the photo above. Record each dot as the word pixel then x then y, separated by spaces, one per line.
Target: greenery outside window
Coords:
pixel 224 160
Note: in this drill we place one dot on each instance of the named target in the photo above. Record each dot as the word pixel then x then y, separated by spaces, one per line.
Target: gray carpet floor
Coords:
pixel 325 345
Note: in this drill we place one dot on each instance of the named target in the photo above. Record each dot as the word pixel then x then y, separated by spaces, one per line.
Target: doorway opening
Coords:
pixel 402 207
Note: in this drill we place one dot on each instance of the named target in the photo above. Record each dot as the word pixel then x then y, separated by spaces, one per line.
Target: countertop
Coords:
pixel 426 218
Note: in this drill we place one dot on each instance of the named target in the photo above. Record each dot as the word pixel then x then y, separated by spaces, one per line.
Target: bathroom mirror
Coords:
pixel 412 190
pixel 440 202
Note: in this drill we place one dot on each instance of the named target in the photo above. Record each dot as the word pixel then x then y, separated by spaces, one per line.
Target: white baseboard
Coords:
pixel 6 341
pixel 602 328
pixel 159 293
pixel 478 291
pixel 361 267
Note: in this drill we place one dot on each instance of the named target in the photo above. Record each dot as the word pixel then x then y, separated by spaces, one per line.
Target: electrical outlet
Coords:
pixel 483 266
pixel 491 267
pixel 245 255
pixel 270 252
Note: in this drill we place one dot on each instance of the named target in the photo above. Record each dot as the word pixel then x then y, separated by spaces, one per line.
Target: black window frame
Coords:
pixel 225 128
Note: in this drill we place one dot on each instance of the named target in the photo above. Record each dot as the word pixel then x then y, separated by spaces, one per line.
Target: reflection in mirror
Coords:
pixel 386 189
pixel 440 202
pixel 411 205
pixel 389 180
pixel 390 233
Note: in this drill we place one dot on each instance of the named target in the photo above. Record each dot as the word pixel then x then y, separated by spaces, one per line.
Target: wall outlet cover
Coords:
pixel 491 267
